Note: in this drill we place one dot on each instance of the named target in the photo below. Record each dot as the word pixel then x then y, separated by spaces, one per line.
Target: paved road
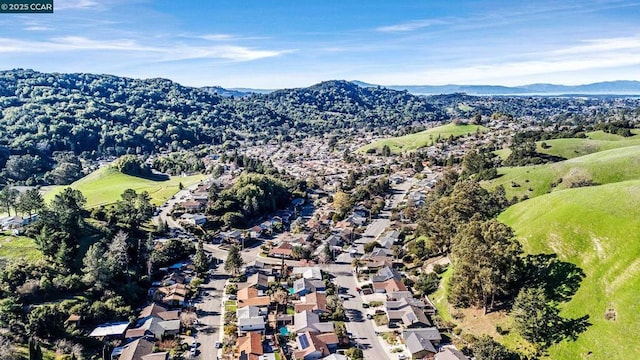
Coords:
pixel 209 315
pixel 362 329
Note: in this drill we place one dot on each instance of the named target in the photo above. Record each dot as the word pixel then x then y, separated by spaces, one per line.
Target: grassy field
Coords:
pixel 597 229
pixel 602 168
pixel 18 247
pixel 105 185
pixel 423 138
pixel 596 141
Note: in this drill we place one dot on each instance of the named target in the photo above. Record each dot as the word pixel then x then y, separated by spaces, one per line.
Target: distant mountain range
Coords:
pixel 620 87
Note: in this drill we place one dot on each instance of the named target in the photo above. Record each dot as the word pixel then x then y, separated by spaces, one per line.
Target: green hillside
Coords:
pixel 597 229
pixel 601 168
pixel 105 185
pixel 423 138
pixel 596 141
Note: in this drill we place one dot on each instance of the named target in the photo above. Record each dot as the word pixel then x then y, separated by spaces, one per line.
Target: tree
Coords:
pixel 8 196
pixel 486 264
pixel 35 351
pixel 200 260
pixel 354 353
pixel 342 202
pixel 535 318
pixel 30 201
pixel 133 210
pixel 386 150
pixel 96 270
pixel 10 312
pixel 468 200
pixel 234 261
pixel 486 348
pixel 118 253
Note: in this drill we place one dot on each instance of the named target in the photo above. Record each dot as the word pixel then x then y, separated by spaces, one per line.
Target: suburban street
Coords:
pixel 210 315
pixel 362 329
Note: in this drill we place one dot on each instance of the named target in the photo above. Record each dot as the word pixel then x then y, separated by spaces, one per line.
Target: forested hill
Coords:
pixel 351 105
pixel 97 115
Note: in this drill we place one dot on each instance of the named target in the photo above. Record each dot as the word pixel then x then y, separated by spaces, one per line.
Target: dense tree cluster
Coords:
pixel 486 264
pixel 251 195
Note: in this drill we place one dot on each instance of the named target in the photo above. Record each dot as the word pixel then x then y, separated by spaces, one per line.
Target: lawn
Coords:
pixel 601 168
pixel 597 229
pixel 18 247
pixel 424 138
pixel 230 306
pixel 105 185
pixel 596 141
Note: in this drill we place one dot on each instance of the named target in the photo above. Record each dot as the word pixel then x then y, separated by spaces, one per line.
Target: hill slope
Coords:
pixel 104 186
pixel 423 138
pixel 601 168
pixel 596 141
pixel 597 229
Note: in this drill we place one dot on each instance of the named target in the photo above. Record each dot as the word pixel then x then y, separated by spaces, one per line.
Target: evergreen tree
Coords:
pixel 200 260
pixel 234 261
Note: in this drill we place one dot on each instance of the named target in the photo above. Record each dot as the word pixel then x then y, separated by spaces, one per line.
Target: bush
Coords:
pixel 440 268
pixel 457 330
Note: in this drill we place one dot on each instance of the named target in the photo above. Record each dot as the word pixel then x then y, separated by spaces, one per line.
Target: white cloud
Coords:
pixel 411 25
pixel 157 53
pixel 75 4
pixel 217 37
pixel 600 45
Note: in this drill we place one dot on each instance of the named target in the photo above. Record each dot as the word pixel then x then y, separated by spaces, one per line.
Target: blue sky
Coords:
pixel 281 43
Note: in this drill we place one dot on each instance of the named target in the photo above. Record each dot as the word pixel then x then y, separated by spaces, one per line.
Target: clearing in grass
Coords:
pixel 424 138
pixel 104 186
pixel 600 168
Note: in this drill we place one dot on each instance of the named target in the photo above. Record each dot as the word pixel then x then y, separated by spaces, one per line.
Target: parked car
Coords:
pixel 369 316
pixel 218 345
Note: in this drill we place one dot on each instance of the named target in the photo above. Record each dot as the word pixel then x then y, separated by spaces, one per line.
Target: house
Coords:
pixel 192 205
pixel 419 347
pixel 172 295
pixel 389 286
pixel 249 346
pixel 304 286
pixel 408 297
pixel 386 273
pixel 154 326
pixel 231 235
pixel 193 219
pixel 307 272
pixel 259 281
pixel 310 321
pixel 315 346
pixel 284 249
pixel 113 330
pixel 410 316
pixel 258 266
pixel 250 318
pixel 315 302
pixel 252 297
pixel 139 349
pixel 450 353
pixel 256 231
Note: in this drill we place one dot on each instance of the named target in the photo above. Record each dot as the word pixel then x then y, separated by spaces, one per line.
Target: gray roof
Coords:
pixel 308 320
pixel 251 321
pixel 430 333
pixel 416 343
pixel 247 312
pixel 449 353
